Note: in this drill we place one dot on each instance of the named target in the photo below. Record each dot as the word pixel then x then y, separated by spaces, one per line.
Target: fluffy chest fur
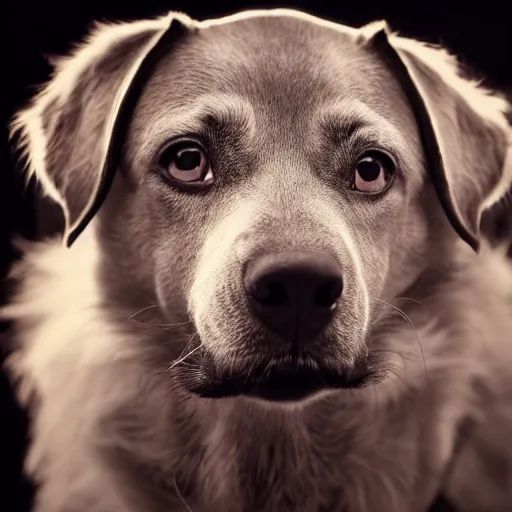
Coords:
pixel 112 434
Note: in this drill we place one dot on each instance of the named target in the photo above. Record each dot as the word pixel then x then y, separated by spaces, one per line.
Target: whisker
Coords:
pixel 188 364
pixel 180 496
pixel 409 298
pixel 404 315
pixel 133 318
pixel 163 326
pixel 187 344
pixel 147 308
pixel 181 359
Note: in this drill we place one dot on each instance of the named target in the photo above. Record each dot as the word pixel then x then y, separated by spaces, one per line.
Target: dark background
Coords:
pixel 480 33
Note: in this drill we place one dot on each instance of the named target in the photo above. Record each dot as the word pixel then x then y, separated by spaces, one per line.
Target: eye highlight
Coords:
pixel 373 172
pixel 186 162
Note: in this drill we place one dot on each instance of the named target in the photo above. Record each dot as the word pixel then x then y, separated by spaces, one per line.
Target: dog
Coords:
pixel 314 316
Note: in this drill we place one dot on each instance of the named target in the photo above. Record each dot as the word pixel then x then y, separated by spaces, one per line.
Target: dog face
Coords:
pixel 273 172
pixel 281 135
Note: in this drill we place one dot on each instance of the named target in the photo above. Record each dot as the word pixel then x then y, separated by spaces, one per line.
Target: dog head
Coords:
pixel 267 176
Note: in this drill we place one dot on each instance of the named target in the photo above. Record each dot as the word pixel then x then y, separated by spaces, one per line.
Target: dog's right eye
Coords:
pixel 186 162
pixel 373 173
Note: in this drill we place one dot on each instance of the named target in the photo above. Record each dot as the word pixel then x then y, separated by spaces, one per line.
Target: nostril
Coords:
pixel 271 294
pixel 327 295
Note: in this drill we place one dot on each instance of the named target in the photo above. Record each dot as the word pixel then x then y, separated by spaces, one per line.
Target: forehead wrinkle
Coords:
pixel 359 117
pixel 168 121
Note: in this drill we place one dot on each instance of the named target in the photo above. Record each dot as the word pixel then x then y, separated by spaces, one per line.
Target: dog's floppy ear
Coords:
pixel 464 130
pixel 70 131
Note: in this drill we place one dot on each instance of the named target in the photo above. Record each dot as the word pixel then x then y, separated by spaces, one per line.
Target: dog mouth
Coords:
pixel 274 380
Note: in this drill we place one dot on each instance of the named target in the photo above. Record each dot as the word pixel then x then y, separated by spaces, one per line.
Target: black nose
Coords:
pixel 294 294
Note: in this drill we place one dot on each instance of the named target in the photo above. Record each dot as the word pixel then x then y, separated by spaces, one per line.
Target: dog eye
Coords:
pixel 186 162
pixel 372 173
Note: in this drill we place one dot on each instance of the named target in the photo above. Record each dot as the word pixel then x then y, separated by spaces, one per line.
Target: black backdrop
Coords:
pixel 479 32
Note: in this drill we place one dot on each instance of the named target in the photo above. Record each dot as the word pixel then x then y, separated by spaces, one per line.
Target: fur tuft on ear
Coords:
pixel 467 139
pixel 66 132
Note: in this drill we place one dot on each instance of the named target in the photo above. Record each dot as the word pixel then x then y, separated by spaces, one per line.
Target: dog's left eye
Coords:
pixel 372 173
pixel 186 162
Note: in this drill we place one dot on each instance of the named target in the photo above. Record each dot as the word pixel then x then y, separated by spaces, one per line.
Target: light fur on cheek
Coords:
pixel 216 256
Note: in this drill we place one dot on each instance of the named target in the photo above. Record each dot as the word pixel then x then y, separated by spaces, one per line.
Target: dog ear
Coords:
pixel 71 131
pixel 464 130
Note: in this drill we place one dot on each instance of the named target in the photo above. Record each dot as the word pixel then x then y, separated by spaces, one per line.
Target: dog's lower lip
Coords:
pixel 285 391
pixel 282 391
pixel 282 385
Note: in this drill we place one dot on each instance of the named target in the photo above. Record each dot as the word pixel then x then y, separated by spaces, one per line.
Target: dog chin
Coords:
pixel 273 380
